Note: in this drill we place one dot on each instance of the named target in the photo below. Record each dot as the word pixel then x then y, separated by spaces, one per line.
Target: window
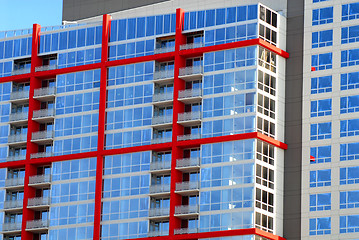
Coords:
pixel 267 59
pixel 349 151
pixel 350 34
pixel 131 49
pixel 349 81
pixel 128 138
pixel 320 178
pixel 321 108
pixel 349 224
pixel 349 127
pixel 125 209
pixel 264 200
pixel 266 127
pixel 349 199
pixel 322 39
pixel 268 16
pixel 322 16
pixel 128 118
pixel 321 84
pixel 126 185
pixel 266 82
pixel 267 34
pixel 264 222
pixel 320 226
pixel 350 11
pixel 349 104
pixel 320 131
pixel 265 176
pixel 349 175
pixel 81 57
pixel 350 57
pixel 321 154
pixel 320 202
pixel 322 61
pixel 265 152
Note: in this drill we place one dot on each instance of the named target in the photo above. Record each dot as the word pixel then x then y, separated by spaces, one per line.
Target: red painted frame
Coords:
pixel 179 57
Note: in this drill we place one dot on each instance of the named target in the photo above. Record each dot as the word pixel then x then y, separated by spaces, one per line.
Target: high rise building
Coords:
pixel 231 120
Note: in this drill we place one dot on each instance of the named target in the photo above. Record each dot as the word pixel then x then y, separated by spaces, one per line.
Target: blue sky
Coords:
pixel 22 14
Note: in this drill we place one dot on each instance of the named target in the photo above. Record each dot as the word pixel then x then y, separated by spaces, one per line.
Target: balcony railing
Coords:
pixel 188 162
pixel 36 224
pixel 11 227
pixel 18 95
pixel 15 158
pixel 19 116
pixel 190 93
pixel 164 49
pixel 40 92
pixel 159 188
pixel 188 137
pixel 186 230
pixel 163 119
pixel 39 201
pixel 20 71
pixel 161 97
pixel 186 209
pixel 161 140
pixel 42 135
pixel 164 74
pixel 42 113
pixel 193 70
pixel 14 182
pixel 39 179
pixel 160 165
pixel 42 154
pixel 13 204
pixel 16 138
pixel 186 186
pixel 191 45
pixel 189 116
pixel 159 212
pixel 157 233
pixel 45 68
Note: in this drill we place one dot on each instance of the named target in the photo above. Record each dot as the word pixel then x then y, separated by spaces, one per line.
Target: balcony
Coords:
pixel 15 158
pixel 20 71
pixel 11 227
pixel 17 139
pixel 191 45
pixel 14 183
pixel 37 225
pixel 188 164
pixel 161 140
pixel 162 121
pixel 186 211
pixel 163 76
pixel 44 115
pixel 45 68
pixel 160 166
pixel 39 203
pixel 190 95
pixel 157 233
pixel 19 96
pixel 191 73
pixel 187 188
pixel 188 137
pixel 186 230
pixel 159 190
pixel 13 205
pixel 189 118
pixel 162 98
pixel 45 94
pixel 164 50
pixel 18 118
pixel 42 137
pixel 40 181
pixel 41 155
pixel 159 213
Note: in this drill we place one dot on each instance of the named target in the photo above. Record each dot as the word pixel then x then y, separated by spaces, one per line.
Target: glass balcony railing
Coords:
pixel 186 230
pixel 37 224
pixel 164 50
pixel 159 188
pixel 188 162
pixel 40 179
pixel 40 92
pixel 164 74
pixel 15 158
pixel 19 95
pixel 46 68
pixel 39 201
pixel 161 140
pixel 14 182
pixel 158 233
pixel 11 227
pixel 188 137
pixel 192 70
pixel 159 212
pixel 19 116
pixel 191 45
pixel 190 93
pixel 20 71
pixel 13 204
pixel 43 113
pixel 189 116
pixel 187 186
pixel 41 135
pixel 160 165
pixel 161 97
pixel 163 119
pixel 186 209
pixel 42 154
pixel 17 138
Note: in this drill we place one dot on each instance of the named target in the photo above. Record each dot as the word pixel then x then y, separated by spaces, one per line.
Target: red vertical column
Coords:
pixel 101 126
pixel 33 126
pixel 178 107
